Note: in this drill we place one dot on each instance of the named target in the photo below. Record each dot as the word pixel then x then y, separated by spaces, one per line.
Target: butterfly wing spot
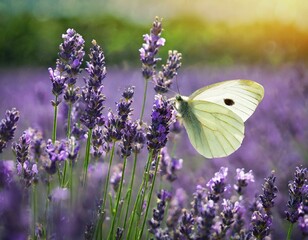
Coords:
pixel 228 102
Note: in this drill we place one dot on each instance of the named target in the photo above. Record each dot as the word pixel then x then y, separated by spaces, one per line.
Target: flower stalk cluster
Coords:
pixel 8 127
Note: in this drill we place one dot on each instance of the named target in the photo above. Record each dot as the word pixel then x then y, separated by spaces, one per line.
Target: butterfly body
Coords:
pixel 214 116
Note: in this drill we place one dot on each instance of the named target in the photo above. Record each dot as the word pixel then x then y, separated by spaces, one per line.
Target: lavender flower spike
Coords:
pixel 152 43
pixel 242 180
pixel 96 67
pixel 217 185
pixel 56 152
pixel 8 127
pixel 92 95
pixel 162 116
pixel 70 55
pixel 26 169
pixel 297 194
pixel 163 79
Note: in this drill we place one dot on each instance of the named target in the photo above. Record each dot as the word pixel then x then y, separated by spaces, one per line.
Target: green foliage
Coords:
pixel 27 40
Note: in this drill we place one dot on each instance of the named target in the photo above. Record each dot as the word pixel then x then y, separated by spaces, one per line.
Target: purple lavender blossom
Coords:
pixel 127 140
pixel 26 169
pixel 261 219
pixel 162 116
pixel 217 185
pixel 96 67
pixel 186 225
pixel 71 95
pixel 150 47
pixel 303 224
pixel 37 144
pixel 57 152
pixel 228 216
pixel 261 224
pixel 242 180
pixel 158 213
pixel 163 79
pixel 8 127
pixel 70 55
pixel 98 143
pixel 269 193
pixel 116 124
pixel 205 221
pixel 67 66
pixel 297 192
pixel 92 94
pixel 93 99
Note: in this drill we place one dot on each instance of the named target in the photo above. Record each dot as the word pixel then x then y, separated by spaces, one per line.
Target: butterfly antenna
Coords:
pixel 177 85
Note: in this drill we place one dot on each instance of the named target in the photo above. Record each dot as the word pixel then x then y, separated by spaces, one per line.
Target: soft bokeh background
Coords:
pixel 266 41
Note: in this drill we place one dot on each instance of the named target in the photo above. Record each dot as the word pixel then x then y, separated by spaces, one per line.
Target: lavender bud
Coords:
pixel 163 79
pixel 150 47
pixel 158 212
pixel 162 114
pixel 217 185
pixel 269 193
pixel 25 169
pixel 8 127
pixel 56 152
pixel 129 133
pixel 96 67
pixel 70 55
pixel 186 225
pixel 92 94
pixel 242 180
pixel 297 192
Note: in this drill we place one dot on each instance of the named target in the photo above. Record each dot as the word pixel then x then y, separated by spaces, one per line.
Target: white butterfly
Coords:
pixel 214 116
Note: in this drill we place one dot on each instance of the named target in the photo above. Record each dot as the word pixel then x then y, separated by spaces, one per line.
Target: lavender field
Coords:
pixel 191 197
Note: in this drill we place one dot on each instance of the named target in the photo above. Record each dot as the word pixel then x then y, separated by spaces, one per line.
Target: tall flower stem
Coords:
pixel 71 183
pixel 54 129
pixel 34 208
pixel 66 164
pixel 108 176
pixel 130 188
pixel 115 214
pixel 144 98
pixel 98 230
pixel 290 229
pixel 69 120
pixel 149 198
pixel 87 157
pixel 139 201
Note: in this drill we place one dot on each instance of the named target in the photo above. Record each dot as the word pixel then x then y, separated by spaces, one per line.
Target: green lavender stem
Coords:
pixel 144 98
pixel 108 176
pixel 149 199
pixel 69 120
pixel 98 230
pixel 87 157
pixel 114 220
pixel 68 137
pixel 290 231
pixel 138 200
pixel 130 189
pixel 34 208
pixel 54 129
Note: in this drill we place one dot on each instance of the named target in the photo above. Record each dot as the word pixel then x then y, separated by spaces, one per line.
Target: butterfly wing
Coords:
pixel 240 96
pixel 213 130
